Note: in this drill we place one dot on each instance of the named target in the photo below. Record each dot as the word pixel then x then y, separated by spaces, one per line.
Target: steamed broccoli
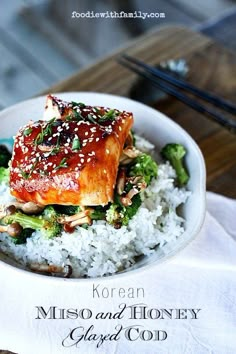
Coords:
pixel 47 222
pixel 119 214
pixel 4 175
pixel 112 214
pixel 175 154
pixel 5 156
pixel 144 166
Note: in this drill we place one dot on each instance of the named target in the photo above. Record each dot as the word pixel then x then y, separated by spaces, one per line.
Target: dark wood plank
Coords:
pixel 212 67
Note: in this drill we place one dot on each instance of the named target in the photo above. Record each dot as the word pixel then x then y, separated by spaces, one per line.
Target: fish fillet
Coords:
pixel 71 157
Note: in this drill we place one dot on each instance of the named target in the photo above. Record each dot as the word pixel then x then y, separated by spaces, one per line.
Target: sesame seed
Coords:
pixel 107 151
pixel 89 159
pixel 86 133
pixel 105 171
pixel 120 129
pixel 97 139
pixel 82 160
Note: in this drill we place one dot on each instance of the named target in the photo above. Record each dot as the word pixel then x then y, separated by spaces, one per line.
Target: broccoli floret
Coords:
pixel 112 214
pixel 119 214
pixel 144 166
pixel 175 154
pixel 47 222
pixel 5 156
pixel 4 175
pixel 52 228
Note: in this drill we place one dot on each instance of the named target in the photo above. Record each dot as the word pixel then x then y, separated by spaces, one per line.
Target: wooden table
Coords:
pixel 212 67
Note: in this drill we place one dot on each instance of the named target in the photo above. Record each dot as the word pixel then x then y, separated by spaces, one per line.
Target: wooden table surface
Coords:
pixel 212 67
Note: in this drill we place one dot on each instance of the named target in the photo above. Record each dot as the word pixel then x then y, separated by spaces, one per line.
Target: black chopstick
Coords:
pixel 207 96
pixel 226 122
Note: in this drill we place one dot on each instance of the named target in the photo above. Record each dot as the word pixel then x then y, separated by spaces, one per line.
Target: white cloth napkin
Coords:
pixel 202 276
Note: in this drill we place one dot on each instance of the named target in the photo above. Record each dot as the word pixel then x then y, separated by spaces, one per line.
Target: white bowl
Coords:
pixel 153 125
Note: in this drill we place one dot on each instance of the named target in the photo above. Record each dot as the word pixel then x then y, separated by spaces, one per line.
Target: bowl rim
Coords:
pixel 136 271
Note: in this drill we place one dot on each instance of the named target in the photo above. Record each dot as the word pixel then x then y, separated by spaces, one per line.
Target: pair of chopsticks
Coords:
pixel 168 83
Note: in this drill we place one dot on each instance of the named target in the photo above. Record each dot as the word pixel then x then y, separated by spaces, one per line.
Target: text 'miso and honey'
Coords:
pixel 72 157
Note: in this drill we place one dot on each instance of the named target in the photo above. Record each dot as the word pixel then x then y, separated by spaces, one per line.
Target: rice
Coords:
pixel 101 249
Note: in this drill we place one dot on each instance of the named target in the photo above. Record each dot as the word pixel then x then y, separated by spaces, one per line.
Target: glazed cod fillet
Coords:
pixel 71 158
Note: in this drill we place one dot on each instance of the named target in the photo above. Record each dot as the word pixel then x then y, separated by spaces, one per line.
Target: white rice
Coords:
pixel 102 249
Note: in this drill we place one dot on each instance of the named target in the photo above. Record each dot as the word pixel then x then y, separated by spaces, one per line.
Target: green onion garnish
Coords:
pixel 27 131
pixel 76 144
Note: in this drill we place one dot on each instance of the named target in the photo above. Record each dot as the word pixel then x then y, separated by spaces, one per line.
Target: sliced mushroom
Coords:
pixel 124 160
pixel 131 152
pixel 121 181
pixel 128 154
pixel 135 179
pixel 29 207
pixel 85 220
pixel 13 230
pixel 65 271
pixel 126 200
pixel 67 219
pixel 76 219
